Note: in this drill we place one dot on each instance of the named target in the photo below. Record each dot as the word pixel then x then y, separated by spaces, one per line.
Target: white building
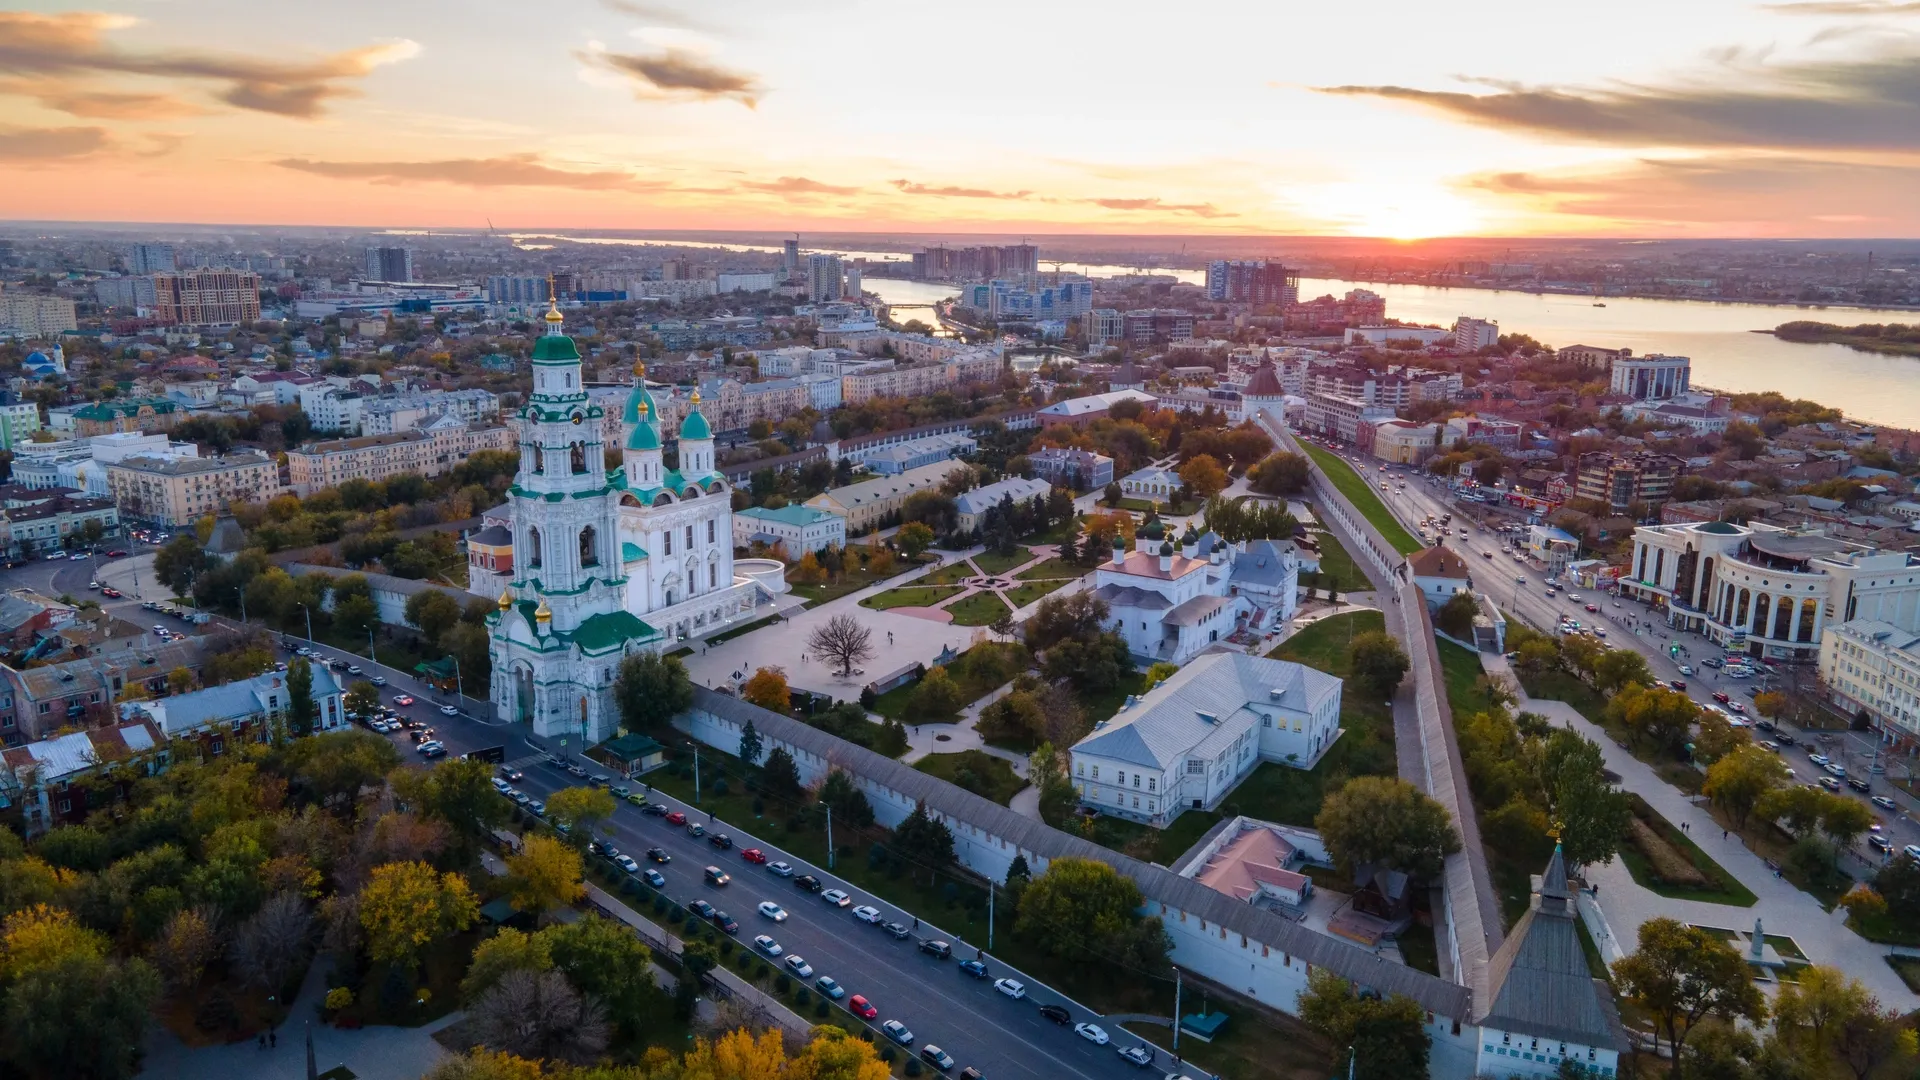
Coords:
pixel 1154 483
pixel 743 282
pixel 1769 590
pixel 1875 666
pixel 826 277
pixel 1440 574
pixel 33 315
pixel 901 457
pixel 1651 378
pixel 823 390
pixel 332 408
pixel 1191 740
pixel 1171 604
pixel 799 528
pixel 972 506
pixel 1472 335
pixel 592 553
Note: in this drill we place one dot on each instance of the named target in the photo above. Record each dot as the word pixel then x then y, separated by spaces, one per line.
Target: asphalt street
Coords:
pixel 1520 590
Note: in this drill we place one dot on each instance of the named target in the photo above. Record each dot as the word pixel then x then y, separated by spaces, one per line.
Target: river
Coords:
pixel 1726 354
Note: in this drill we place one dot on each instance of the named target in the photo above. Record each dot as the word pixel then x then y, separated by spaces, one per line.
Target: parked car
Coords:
pixel 650 809
pixel 621 791
pixel 861 1007
pixel 725 922
pixel 1138 1056
pixel 675 817
pixel 625 862
pixel 799 966
pixel 1093 1033
pixel 937 949
pixel 808 882
pixel 867 913
pixel 767 945
pixel 827 986
pixel 836 898
pixel 701 908
pixel 754 855
pixel 780 869
pixel 720 840
pixel 655 878
pixel 898 1032
pixel 936 1057
pixel 1056 1013
pixel 898 930
pixel 974 968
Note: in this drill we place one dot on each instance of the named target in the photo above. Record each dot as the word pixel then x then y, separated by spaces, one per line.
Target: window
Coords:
pixel 1080 769
pixel 66 805
pixel 589 547
pixel 689 538
pixel 668 536
pixel 709 532
pixel 1196 767
pixel 1152 782
pixel 533 548
pixel 713 575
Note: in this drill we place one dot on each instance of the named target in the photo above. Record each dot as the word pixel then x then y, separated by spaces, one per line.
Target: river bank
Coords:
pixel 1890 339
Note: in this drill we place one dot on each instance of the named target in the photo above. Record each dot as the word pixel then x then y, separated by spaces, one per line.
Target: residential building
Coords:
pixel 1486 430
pixel 1651 378
pixel 206 297
pixel 1592 357
pixel 40 525
pixel 824 392
pixel 1768 590
pixel 1027 300
pixel 826 278
pixel 1252 281
pixel 1104 326
pixel 431 450
pixel 1702 414
pixel 1440 573
pixel 1621 480
pixel 1378 336
pixel 1405 442
pixel 1357 383
pixel 18 420
pixel 1075 470
pixel 125 293
pixel 1187 743
pixel 790 258
pixel 392 413
pixel 744 282
pixel 857 388
pixel 389 264
pixel 732 405
pixel 33 315
pixel 177 492
pixel 36 702
pixel 901 457
pixel 331 407
pixel 127 415
pixel 1874 667
pixel 870 504
pixel 26 617
pixel 246 710
pixel 799 528
pixel 45 780
pixel 1472 335
pixel 150 259
pixel 1342 417
pixel 517 291
pixel 972 506
pixel 972 263
pixel 1147 325
pixel 1090 407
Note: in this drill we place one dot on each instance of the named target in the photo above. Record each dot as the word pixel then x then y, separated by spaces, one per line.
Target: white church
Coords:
pixel 601 565
pixel 1171 603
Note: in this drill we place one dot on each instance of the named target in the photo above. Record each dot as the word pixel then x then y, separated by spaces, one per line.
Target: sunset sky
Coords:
pixel 1394 118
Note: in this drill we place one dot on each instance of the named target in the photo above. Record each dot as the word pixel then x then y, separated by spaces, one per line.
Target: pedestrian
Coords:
pixel 273 1039
pixel 1723 834
pixel 916 923
pixel 263 1040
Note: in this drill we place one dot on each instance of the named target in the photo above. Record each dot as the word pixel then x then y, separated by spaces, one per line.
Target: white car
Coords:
pixel 773 911
pixel 449 710
pixel 625 862
pixel 799 966
pixel 767 945
pixel 867 913
pixel 1010 987
pixel 836 898
pixel 1686 669
pixel 780 869
pixel 1093 1033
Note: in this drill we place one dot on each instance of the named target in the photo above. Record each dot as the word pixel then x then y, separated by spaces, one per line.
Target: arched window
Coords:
pixel 1808 608
pixel 1761 606
pixel 533 542
pixel 1782 618
pixel 713 575
pixel 589 547
pixel 1740 608
pixel 577 457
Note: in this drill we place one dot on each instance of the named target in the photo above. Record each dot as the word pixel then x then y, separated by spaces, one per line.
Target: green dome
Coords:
pixel 643 438
pixel 1154 528
pixel 695 426
pixel 555 349
pixel 639 397
pixel 1119 542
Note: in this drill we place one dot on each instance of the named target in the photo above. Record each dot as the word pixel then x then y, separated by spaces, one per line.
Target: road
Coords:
pixel 964 1016
pixel 1519 587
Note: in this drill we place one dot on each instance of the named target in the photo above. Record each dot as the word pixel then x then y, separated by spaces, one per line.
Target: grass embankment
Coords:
pixel 852 580
pixel 976 673
pixel 1362 496
pixel 1337 568
pixel 977 771
pixel 911 596
pixel 1665 860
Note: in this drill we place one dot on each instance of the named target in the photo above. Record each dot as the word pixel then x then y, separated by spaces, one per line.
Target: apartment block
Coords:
pixel 34 315
pixel 115 417
pixel 1252 281
pixel 427 451
pixel 179 491
pixel 869 503
pixel 1620 480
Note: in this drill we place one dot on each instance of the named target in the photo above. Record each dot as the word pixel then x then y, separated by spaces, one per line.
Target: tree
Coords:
pixel 605 960
pixel 1078 616
pixel 1160 672
pixel 846 800
pixel 580 809
pixel 1616 669
pixel 1681 975
pixel 334 765
pixel 1795 807
pixel 433 613
pixel 1770 704
pixel 180 561
pixel 1279 474
pixel 1015 716
pixel 914 538
pixel 273 942
pixel 356 614
pixel 406 906
pixel 1593 817
pixel 843 641
pixel 768 689
pixel 1376 662
pixel 1203 477
pixel 1048 769
pixel 1379 820
pixel 80 1015
pixel 924 840
pixel 1844 820
pixel 185 946
pixel 781 776
pixel 363 699
pixel 1383 1038
pixel 1092 665
pixel 1455 617
pixel 651 690
pixel 750 744
pixel 1654 713
pixel 1084 911
pixel 1112 494
pixel 1717 738
pixel 1739 781
pixel 302 710
pixel 459 792
pixel 936 699
pixel 540 1015
pixel 507 950
pixel 543 875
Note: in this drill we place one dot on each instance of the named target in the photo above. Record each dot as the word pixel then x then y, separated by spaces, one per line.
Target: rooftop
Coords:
pixel 790 514
pixel 1254 858
pixel 1164 726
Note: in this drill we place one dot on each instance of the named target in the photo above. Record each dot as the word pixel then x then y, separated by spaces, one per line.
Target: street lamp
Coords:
pixel 458 687
pixel 309 613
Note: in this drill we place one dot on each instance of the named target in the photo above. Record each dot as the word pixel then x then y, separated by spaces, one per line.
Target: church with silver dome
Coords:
pixel 601 564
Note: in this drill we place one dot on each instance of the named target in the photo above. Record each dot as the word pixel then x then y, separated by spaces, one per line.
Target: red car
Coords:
pixel 1678 685
pixel 862 1008
pixel 1721 697
pixel 754 855
pixel 116 554
pixel 111 594
pixel 403 700
pixel 676 818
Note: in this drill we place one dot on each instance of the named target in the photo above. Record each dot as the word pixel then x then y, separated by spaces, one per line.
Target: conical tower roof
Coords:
pixel 1264 383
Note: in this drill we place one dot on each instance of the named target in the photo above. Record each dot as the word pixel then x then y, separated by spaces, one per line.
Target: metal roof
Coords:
pixel 1538 981
pixel 1160 886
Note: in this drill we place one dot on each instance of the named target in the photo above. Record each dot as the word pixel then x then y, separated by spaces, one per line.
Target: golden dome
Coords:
pixel 543 613
pixel 553 313
pixel 640 369
pixel 643 411
pixel 695 399
pixel 506 599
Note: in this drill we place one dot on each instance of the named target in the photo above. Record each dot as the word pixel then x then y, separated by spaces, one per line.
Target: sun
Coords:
pixel 1395 211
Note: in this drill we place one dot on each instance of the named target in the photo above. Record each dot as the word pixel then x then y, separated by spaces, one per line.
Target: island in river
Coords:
pixel 1898 339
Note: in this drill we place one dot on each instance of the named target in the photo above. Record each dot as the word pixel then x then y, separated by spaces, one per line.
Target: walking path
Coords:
pixel 1785 909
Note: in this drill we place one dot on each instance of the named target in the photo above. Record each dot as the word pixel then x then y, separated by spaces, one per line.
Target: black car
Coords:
pixel 808 883
pixel 602 849
pixel 655 854
pixel 701 908
pixel 899 931
pixel 725 922
pixel 936 948
pixel 654 809
pixel 720 840
pixel 1057 1013
pixel 1783 738
pixel 974 968
pixel 511 776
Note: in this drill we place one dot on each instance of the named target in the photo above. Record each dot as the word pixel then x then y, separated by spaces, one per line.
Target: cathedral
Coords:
pixel 597 566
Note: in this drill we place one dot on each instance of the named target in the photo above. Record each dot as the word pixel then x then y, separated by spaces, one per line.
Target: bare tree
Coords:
pixel 540 1015
pixel 842 640
pixel 186 944
pixel 274 941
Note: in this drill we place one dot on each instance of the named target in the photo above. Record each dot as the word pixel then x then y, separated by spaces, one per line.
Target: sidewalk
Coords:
pixel 1784 908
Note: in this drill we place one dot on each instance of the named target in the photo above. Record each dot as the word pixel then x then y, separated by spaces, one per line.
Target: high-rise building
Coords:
pixel 1252 281
pixel 389 264
pixel 975 263
pixel 852 287
pixel 825 278
pixel 34 315
pixel 507 289
pixel 150 258
pixel 206 297
pixel 1620 480
pixel 1472 335
pixel 790 256
pixel 1651 378
pixel 124 292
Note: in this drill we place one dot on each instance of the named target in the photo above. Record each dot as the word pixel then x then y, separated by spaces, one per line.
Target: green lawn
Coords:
pixel 974 770
pixel 1102 704
pixel 991 563
pixel 851 581
pixel 1363 497
pixel 1269 1045
pixel 1460 666
pixel 1908 969
pixel 1055 567
pixel 980 609
pixel 1419 949
pixel 1337 568
pixel 1723 888
pixel 1178 508
pixel 950 574
pixel 997 666
pixel 911 596
pixel 1163 846
pixel 1323 644
pixel 1022 595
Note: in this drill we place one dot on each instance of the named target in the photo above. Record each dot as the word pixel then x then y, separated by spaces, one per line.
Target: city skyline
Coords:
pixel 1719 119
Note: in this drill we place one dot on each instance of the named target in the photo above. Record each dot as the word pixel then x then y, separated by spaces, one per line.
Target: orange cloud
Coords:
pixel 513 170
pixel 948 191
pixel 678 73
